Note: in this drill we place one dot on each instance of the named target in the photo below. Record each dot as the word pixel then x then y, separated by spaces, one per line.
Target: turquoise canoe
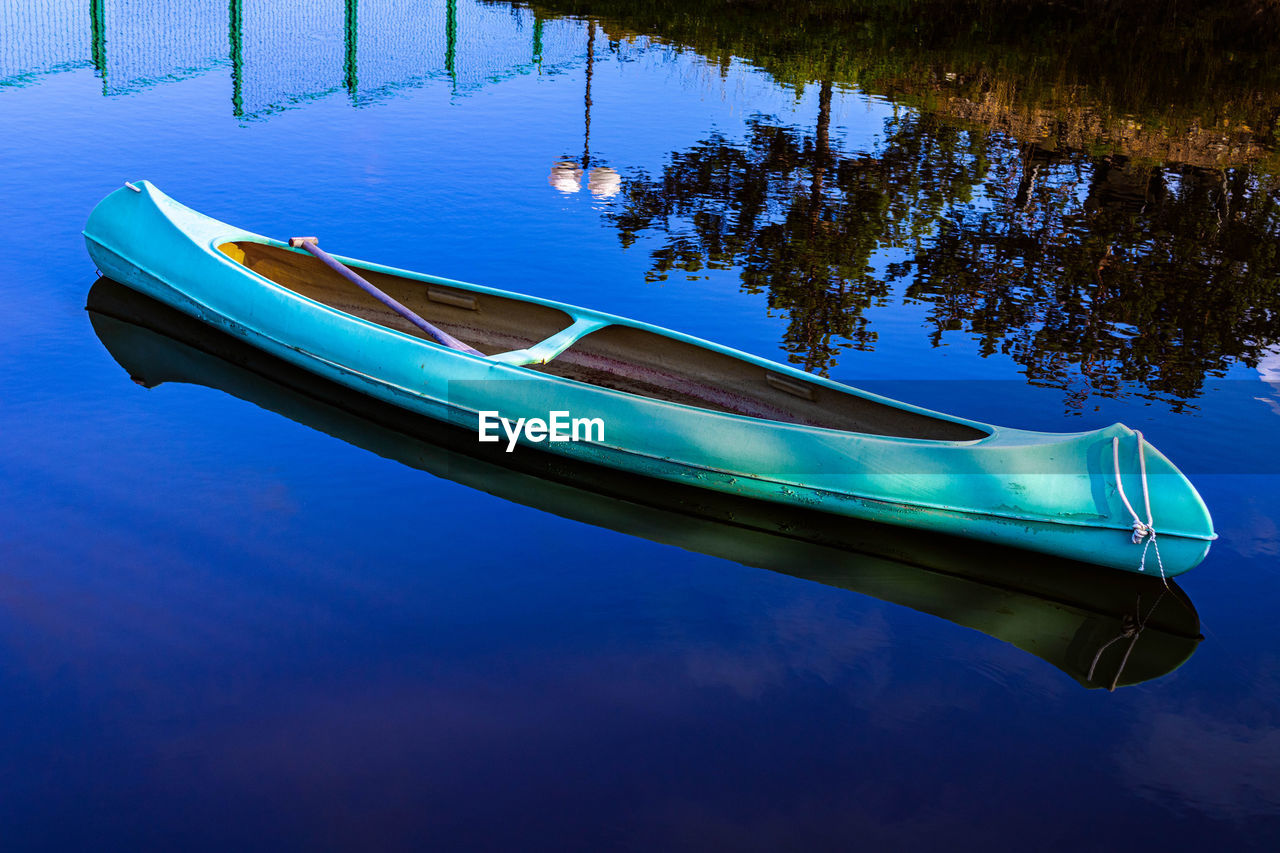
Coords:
pixel 1105 629
pixel 659 403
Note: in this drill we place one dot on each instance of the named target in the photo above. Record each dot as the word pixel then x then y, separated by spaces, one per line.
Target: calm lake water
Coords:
pixel 239 612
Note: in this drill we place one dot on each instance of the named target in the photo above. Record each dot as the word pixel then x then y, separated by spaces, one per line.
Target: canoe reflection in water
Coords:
pixel 1103 628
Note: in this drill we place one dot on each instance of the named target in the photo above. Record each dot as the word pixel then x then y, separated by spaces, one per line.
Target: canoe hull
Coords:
pixel 1041 492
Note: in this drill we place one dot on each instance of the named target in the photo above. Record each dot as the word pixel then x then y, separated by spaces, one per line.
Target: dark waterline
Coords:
pixel 243 609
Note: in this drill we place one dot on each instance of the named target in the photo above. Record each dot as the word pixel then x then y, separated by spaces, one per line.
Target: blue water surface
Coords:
pixel 221 628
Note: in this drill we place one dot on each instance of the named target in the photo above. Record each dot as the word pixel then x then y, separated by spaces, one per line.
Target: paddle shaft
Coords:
pixel 350 275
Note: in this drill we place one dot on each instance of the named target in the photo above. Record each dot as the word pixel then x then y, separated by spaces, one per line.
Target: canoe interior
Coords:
pixel 618 357
pixel 652 365
pixel 491 324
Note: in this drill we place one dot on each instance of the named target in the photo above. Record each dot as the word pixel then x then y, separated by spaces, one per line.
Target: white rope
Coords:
pixel 1144 532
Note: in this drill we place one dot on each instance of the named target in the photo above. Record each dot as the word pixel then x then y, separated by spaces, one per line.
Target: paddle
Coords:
pixel 311 245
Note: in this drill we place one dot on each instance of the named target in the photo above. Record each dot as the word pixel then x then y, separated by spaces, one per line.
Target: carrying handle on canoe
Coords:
pixel 310 244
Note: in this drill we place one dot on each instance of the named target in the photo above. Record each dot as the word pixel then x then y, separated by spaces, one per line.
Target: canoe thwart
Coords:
pixel 545 350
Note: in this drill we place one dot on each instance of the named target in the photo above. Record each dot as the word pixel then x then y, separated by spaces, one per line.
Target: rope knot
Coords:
pixel 1141 530
pixel 1144 532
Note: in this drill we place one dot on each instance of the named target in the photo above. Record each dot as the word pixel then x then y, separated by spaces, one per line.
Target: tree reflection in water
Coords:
pixel 803 221
pixel 1096 275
